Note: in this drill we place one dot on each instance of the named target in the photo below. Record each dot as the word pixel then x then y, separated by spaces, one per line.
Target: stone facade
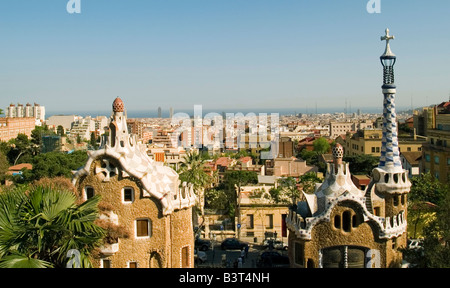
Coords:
pixel 143 198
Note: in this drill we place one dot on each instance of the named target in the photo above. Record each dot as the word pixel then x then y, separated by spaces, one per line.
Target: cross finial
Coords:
pixel 387 38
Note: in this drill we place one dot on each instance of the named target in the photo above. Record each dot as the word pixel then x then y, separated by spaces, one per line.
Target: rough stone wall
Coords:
pixel 182 236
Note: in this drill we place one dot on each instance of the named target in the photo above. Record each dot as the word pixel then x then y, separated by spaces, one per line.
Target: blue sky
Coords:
pixel 222 54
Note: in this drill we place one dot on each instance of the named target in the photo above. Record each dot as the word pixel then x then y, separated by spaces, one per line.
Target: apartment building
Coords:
pixel 368 141
pixel 436 151
pixel 11 127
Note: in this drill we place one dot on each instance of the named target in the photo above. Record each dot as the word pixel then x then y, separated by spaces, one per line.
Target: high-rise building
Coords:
pixel 159 112
pixel 36 111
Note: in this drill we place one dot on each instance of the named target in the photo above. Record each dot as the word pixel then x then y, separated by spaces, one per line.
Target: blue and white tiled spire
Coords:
pixel 390 153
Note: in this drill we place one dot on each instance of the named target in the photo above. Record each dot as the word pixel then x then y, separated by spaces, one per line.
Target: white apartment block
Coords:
pixel 339 128
pixel 20 111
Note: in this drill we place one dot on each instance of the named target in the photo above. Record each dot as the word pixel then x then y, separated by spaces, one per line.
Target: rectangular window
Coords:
pixel 132 265
pixel 436 159
pixel 269 221
pixel 106 263
pixel 143 228
pixel 185 257
pixel 250 223
pixel 128 194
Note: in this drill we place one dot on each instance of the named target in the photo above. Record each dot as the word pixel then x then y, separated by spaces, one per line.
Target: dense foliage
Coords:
pixel 429 217
pixel 39 225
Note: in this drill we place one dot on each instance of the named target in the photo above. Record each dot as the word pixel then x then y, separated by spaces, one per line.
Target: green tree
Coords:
pixel 22 150
pixel 39 226
pixel 192 170
pixel 435 251
pixel 5 148
pixel 93 141
pixel 60 131
pixel 288 191
pixel 234 180
pixel 4 165
pixel 310 157
pixel 216 199
pixel 308 182
pixel 425 196
pixel 362 164
pixel 426 188
pixel 37 133
pixel 321 145
pixel 429 217
pixel 55 164
pixel 437 236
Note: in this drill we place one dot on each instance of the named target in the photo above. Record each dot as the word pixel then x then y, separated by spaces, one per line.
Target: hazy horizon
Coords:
pixel 253 54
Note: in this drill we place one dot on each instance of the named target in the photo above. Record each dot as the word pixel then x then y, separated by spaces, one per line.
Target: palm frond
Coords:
pixel 20 261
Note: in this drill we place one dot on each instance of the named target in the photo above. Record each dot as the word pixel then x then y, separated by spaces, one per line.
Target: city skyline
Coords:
pixel 224 55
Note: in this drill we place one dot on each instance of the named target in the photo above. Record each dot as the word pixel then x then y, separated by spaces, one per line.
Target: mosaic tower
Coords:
pixel 390 154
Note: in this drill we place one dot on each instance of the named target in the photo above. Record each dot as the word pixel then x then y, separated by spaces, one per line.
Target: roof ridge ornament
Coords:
pixel 387 38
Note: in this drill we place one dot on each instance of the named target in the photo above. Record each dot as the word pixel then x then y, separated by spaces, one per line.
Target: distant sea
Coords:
pixel 190 111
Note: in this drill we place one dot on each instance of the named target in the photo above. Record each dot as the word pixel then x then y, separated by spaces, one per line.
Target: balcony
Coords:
pixel 109 249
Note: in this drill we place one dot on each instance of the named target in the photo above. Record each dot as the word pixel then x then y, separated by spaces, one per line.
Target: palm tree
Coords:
pixel 192 171
pixel 40 225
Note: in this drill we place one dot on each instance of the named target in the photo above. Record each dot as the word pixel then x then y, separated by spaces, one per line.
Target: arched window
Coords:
pixel 346 221
pixel 89 192
pixel 112 133
pixel 337 222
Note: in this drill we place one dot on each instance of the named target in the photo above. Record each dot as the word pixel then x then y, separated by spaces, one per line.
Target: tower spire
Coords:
pixel 390 153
